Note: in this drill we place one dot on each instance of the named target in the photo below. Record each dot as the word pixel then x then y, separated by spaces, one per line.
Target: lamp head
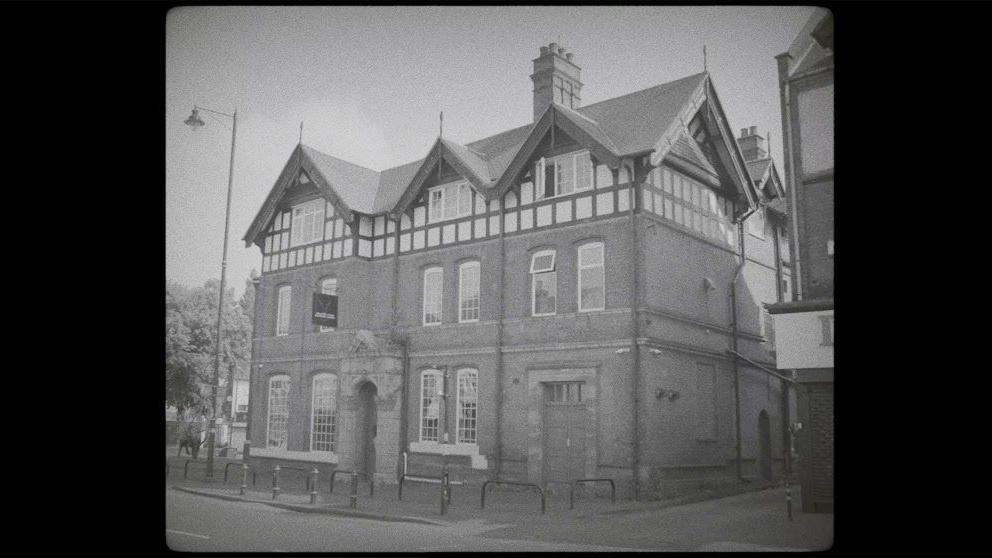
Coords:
pixel 194 121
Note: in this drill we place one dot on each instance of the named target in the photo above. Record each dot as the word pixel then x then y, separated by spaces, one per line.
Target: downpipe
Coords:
pixel 733 342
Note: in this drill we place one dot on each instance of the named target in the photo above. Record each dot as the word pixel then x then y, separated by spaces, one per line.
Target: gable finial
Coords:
pixel 441 131
pixel 704 58
pixel 301 131
pixel 769 134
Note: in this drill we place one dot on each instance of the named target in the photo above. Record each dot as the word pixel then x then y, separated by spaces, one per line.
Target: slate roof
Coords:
pixel 757 168
pixel 628 124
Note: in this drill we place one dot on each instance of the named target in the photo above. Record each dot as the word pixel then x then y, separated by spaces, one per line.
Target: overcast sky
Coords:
pixel 368 83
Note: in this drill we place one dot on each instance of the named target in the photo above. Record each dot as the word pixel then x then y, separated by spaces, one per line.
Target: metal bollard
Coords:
pixel 353 497
pixel 244 478
pixel 788 499
pixel 313 486
pixel 444 491
pixel 275 482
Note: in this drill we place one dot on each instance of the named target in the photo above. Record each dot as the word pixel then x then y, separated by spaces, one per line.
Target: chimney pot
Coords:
pixel 754 130
pixel 743 132
pixel 553 47
pixel 561 51
pixel 544 50
pixel 568 56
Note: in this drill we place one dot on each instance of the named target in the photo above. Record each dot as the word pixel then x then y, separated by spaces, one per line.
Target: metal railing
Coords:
pixel 525 484
pixel 577 482
pixel 228 466
pixel 302 471
pixel 425 479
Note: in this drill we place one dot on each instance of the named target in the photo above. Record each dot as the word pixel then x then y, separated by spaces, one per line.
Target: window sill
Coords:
pixel 313 456
pixel 471 450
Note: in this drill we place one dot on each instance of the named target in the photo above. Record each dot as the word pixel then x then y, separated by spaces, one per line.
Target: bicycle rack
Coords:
pixel 526 484
pixel 577 482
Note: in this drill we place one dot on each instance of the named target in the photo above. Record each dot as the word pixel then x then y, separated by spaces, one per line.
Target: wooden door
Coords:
pixel 565 422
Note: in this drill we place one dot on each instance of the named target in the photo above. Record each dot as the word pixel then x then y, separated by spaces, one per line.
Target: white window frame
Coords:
pixel 602 270
pixel 439 387
pixel 461 291
pixel 461 189
pixel 466 372
pixel 283 309
pixel 313 209
pixel 533 280
pixel 324 289
pixel 333 413
pixel 440 297
pixel 268 408
pixel 572 160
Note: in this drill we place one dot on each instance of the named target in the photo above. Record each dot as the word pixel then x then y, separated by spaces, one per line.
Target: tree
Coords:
pixel 191 333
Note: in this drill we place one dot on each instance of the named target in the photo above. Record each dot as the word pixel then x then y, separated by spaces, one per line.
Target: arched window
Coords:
pixel 329 286
pixel 592 280
pixel 433 279
pixel 430 405
pixel 278 409
pixel 544 283
pixel 323 414
pixel 468 405
pixel 468 292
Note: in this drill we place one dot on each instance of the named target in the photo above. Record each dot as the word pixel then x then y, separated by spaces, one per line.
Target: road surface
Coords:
pixel 197 523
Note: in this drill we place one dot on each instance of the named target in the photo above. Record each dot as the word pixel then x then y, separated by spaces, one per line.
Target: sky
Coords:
pixel 368 84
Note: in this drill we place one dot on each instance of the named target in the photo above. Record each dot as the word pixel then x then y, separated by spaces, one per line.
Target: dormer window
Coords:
pixel 308 222
pixel 450 201
pixel 563 175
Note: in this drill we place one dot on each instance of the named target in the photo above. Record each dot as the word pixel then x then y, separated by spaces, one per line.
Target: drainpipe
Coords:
pixel 634 327
pixel 499 340
pixel 785 94
pixel 787 454
pixel 404 359
pixel 255 282
pixel 733 342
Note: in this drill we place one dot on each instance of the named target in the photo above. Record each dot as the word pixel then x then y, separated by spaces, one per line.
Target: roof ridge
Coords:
pixel 314 149
pixel 640 91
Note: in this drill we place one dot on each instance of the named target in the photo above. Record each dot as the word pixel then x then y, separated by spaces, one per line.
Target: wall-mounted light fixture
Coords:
pixel 670 394
pixel 655 352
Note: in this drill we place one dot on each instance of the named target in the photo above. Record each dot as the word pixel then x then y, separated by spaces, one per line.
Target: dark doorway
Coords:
pixel 764 446
pixel 366 429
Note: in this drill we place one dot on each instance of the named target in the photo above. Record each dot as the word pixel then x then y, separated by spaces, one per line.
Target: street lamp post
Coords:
pixel 195 122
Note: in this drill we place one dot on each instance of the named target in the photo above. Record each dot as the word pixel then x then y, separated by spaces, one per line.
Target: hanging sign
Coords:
pixel 325 309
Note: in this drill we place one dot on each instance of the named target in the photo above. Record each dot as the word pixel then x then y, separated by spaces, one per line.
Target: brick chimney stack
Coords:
pixel 556 79
pixel 752 145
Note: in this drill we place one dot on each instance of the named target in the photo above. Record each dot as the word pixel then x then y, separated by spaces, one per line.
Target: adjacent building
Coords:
pixel 566 299
pixel 806 322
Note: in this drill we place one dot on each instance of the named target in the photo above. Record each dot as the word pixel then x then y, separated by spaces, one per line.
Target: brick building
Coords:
pixel 806 320
pixel 549 303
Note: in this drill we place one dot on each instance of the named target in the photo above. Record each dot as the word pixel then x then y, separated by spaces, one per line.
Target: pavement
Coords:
pixel 755 520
